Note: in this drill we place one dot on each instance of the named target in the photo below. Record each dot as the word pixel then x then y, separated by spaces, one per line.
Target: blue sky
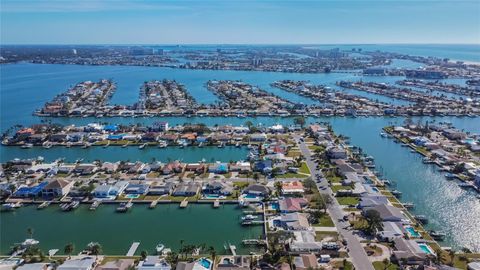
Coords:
pixel 239 22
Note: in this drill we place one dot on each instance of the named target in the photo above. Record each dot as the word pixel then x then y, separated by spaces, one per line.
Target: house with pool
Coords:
pixel 255 193
pixel 411 251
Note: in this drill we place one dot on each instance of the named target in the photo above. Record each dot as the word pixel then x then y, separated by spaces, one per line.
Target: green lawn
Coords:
pixel 336 188
pixel 319 236
pixel 347 200
pixel 381 266
pixel 325 221
pixel 291 175
pixel 304 168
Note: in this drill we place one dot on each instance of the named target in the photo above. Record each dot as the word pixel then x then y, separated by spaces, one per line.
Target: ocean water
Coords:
pixel 461 52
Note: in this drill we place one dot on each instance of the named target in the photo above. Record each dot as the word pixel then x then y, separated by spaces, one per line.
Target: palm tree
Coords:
pixel 213 253
pixel 144 254
pixel 69 248
pixel 95 249
pixel 278 188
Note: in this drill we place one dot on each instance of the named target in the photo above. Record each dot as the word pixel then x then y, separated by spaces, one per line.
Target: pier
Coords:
pixel 153 204
pixel 216 203
pixel 132 249
pixel 184 203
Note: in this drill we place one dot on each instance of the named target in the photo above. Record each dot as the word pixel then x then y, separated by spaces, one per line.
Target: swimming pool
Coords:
pixel 205 263
pixel 426 249
pixel 132 196
pixel 412 232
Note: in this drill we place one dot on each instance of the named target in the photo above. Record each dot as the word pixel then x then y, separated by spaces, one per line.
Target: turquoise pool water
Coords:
pixel 412 232
pixel 425 249
pixel 132 196
pixel 205 263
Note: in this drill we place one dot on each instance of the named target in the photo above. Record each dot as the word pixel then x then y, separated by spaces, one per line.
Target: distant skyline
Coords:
pixel 240 22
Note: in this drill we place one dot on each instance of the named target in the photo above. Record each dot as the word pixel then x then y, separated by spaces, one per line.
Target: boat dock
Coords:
pixel 232 248
pixel 153 204
pixel 216 203
pixel 132 249
pixel 184 203
pixel 259 242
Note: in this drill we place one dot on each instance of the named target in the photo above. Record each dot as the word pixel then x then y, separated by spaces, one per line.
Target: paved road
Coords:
pixel 357 253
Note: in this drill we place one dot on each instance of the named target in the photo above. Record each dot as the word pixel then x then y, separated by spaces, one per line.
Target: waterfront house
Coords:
pixel 289 205
pixel 111 128
pixel 197 168
pixel 390 231
pixel 257 190
pixel 388 213
pixel 65 168
pixel 136 189
pixel 114 137
pixel 159 126
pixel 305 261
pixel 110 191
pixel 30 192
pixel 150 137
pixel 59 137
pixel 186 189
pixel 219 168
pixel 292 188
pixel 241 167
pixel 161 188
pixel 109 167
pixel 336 153
pixel 217 188
pixel 258 137
pixel 85 263
pixel 234 263
pixel 154 263
pixel 85 169
pixel 294 221
pixel 57 188
pixel 169 138
pixel 408 250
pixel 454 134
pixel 371 200
pixel 36 138
pixel 172 167
pixel 120 264
pixel 202 139
pixel 304 242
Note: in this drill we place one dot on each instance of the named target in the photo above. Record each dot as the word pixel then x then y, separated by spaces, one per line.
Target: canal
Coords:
pixel 168 224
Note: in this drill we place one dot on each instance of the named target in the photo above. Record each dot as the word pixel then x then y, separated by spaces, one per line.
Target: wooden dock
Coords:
pixel 153 204
pixel 133 248
pixel 233 249
pixel 216 203
pixel 184 203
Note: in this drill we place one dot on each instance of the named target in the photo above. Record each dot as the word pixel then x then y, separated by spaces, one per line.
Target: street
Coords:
pixel 357 253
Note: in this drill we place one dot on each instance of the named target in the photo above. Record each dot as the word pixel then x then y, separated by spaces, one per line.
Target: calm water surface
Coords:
pixel 167 223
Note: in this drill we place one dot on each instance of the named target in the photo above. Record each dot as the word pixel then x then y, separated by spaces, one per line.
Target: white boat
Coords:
pixel 27 146
pixel 162 144
pixel 43 205
pixel 142 146
pixel 159 248
pixel 47 145
pixel 249 217
pixel 29 242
